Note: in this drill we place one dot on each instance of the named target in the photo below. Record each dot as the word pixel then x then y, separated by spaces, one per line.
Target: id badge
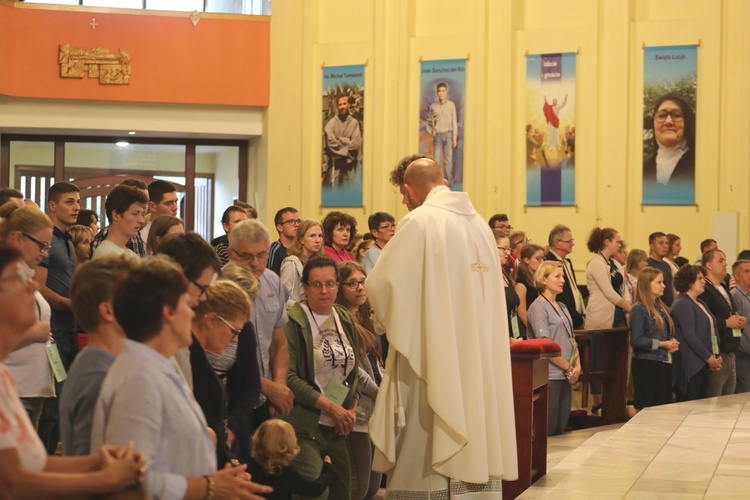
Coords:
pixel 53 355
pixel 736 332
pixel 669 358
pixel 336 392
pixel 514 326
pixel 714 344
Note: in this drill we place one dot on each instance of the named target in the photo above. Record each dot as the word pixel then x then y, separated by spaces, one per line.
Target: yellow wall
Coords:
pixel 390 37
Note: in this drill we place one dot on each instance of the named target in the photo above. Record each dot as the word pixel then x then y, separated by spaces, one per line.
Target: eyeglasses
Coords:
pixel 235 331
pixel 353 284
pixel 524 240
pixel 43 247
pixel 504 227
pixel 293 222
pixel 504 249
pixel 317 285
pixel 201 287
pixel 387 227
pixel 538 259
pixel 249 257
pixel 661 116
pixel 567 242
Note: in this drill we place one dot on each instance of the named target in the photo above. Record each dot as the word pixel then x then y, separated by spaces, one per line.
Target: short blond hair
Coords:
pixel 78 232
pixel 243 277
pixel 226 299
pixel 545 269
pixel 274 445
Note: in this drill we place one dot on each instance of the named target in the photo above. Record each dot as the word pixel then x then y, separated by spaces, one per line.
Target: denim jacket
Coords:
pixel 644 335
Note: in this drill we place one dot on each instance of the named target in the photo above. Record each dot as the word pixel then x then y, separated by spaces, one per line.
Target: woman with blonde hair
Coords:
pixel 237 368
pixel 308 243
pixel 274 447
pixel 217 323
pixel 652 336
pixel 550 319
pixel 29 231
pixel 161 227
pixel 81 237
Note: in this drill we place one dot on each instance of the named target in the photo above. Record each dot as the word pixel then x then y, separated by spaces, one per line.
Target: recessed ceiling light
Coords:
pixel 122 144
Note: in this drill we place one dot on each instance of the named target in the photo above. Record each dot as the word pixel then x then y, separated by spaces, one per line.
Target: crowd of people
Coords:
pixel 686 320
pixel 162 364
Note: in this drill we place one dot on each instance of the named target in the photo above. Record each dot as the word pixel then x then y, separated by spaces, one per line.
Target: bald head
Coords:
pixel 420 177
pixel 424 174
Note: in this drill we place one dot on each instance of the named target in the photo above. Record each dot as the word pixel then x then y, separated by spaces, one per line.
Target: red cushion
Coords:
pixel 534 346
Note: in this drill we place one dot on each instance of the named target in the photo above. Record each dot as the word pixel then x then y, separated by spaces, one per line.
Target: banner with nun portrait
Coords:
pixel 343 117
pixel 669 97
pixel 550 129
pixel 441 116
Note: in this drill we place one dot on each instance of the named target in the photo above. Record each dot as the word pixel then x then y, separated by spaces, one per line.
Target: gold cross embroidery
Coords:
pixel 480 268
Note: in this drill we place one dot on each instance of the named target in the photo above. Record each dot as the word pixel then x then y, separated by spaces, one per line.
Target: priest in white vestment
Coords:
pixel 443 424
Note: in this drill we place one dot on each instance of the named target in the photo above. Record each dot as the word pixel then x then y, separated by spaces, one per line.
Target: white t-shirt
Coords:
pixel 108 248
pixel 16 430
pixel 30 366
pixel 332 353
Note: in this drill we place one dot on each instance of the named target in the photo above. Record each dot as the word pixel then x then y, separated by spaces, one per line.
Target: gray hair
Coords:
pixel 557 234
pixel 250 231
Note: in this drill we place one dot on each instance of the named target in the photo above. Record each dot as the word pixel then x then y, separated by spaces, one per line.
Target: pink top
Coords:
pixel 337 255
pixel 16 430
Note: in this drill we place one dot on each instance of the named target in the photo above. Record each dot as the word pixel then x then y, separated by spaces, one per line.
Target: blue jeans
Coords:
pixel 443 150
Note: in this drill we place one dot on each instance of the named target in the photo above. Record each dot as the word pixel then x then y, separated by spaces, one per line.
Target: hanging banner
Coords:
pixel 550 129
pixel 343 116
pixel 441 116
pixel 669 98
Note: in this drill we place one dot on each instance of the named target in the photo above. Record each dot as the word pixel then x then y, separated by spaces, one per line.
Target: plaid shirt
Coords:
pixel 135 243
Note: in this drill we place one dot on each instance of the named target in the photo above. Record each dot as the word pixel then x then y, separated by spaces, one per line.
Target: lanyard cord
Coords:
pixel 341 340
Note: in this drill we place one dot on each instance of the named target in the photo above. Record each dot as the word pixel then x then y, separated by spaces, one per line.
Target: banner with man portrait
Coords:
pixel 550 129
pixel 343 117
pixel 441 116
pixel 670 76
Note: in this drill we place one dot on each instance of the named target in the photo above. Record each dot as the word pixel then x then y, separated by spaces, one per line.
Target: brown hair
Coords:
pixel 597 237
pixel 295 248
pixel 159 227
pixel 243 277
pixel 332 220
pixel 523 268
pixel 365 326
pixel 654 305
pixel 95 282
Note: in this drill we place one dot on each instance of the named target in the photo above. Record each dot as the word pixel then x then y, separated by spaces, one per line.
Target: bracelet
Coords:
pixel 209 487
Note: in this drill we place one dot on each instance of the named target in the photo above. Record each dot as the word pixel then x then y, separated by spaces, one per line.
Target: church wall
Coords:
pixel 390 37
pixel 223 60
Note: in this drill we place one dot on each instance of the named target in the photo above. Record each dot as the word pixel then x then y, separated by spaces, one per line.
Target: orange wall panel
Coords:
pixel 219 61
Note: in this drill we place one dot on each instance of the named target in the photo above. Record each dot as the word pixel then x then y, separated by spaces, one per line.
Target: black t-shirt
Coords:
pixel 663 266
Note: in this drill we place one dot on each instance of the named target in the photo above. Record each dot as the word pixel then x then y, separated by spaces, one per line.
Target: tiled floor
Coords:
pixel 699 449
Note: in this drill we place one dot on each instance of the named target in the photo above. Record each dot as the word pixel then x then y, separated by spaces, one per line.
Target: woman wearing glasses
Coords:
pixel 530 259
pixel 307 243
pixel 30 231
pixel 352 295
pixel 673 162
pixel 217 323
pixel 323 376
pixel 511 297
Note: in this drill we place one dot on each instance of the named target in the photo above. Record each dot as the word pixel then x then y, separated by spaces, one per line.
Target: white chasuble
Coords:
pixel 443 421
